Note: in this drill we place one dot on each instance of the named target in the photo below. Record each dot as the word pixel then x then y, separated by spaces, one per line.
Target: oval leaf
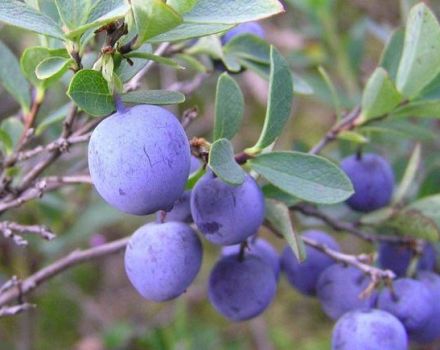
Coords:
pixel 311 178
pixel 12 79
pixel 231 12
pixel 279 106
pixel 278 216
pixel 223 164
pixel 52 66
pixel 154 97
pixel 89 90
pixel 17 14
pixel 229 108
pixel 380 96
pixel 420 61
pixel 152 18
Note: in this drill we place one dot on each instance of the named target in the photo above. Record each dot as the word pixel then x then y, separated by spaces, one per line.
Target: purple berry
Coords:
pixel 261 248
pixel 243 28
pixel 410 303
pixel 304 276
pixel 373 181
pixel 139 159
pixel 181 211
pixel 369 330
pixel 161 260
pixel 397 257
pixel 431 330
pixel 241 290
pixel 196 164
pixel 227 214
pixel 339 290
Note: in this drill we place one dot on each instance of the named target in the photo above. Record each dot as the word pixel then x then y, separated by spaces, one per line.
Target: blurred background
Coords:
pixel 93 306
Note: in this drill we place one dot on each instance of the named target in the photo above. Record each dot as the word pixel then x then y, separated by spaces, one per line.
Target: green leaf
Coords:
pixel 273 192
pixel 420 61
pixel 279 106
pixel 353 136
pixel 182 6
pixel 52 66
pixel 18 14
pixel 190 30
pixel 432 90
pixel 231 12
pixel 6 142
pixel 13 127
pixel 430 207
pixel 417 223
pixel 402 128
pixel 154 97
pixel 32 57
pixel 409 175
pixel 380 95
pixel 426 109
pixel 229 108
pixel 152 18
pixel 158 59
pixel 112 16
pixel 209 45
pixel 12 79
pixel 392 53
pixel 74 13
pixel 89 90
pixel 308 177
pixel 249 47
pixel 223 164
pixel 278 216
pixel 431 183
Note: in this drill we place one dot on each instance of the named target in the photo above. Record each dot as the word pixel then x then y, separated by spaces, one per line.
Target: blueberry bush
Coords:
pixel 219 174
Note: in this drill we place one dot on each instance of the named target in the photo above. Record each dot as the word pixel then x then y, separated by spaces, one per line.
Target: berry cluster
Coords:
pixel 140 161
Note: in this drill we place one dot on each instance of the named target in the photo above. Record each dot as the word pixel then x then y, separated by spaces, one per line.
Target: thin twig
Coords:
pixel 337 225
pixel 357 261
pixel 16 231
pixel 347 123
pixel 62 144
pixel 15 310
pixel 42 186
pixel 74 258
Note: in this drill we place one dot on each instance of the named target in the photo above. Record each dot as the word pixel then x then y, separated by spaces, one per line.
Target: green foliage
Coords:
pixel 89 90
pixel 278 215
pixel 52 66
pixel 311 178
pixel 380 95
pixel 16 13
pixel 222 163
pixel 229 108
pixel 153 97
pixel 152 18
pixel 420 61
pixel 279 106
pixel 12 79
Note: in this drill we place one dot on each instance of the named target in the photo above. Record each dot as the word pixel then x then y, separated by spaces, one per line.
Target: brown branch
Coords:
pixel 16 231
pixel 358 261
pixel 62 144
pixel 347 123
pixel 15 310
pixel 74 258
pixel 309 210
pixel 29 120
pixel 42 186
